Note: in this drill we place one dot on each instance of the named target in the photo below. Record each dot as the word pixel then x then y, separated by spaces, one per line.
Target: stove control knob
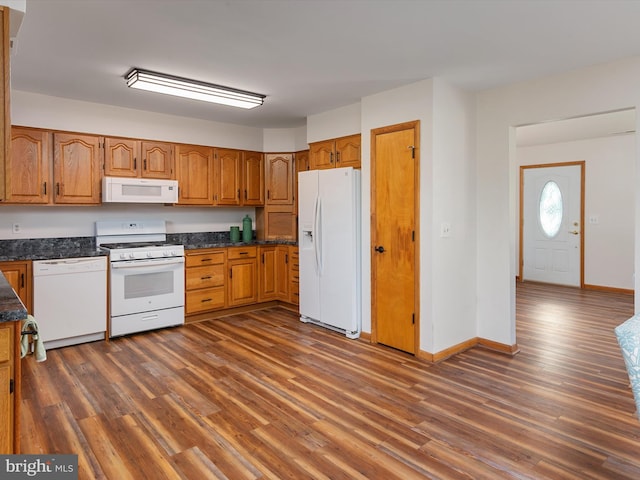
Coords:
pixel 165 253
pixel 132 255
pixel 150 254
pixel 122 256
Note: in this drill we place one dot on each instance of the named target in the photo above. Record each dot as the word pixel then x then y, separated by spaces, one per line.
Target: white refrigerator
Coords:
pixel 329 246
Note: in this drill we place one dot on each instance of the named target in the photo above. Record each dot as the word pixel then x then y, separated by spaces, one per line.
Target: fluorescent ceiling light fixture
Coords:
pixel 183 87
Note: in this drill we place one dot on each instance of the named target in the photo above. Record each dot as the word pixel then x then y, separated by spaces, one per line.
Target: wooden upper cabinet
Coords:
pixel 228 176
pixel 157 160
pixel 194 172
pixel 335 153
pixel 76 168
pixel 28 173
pixel 302 161
pixel 348 151
pixel 18 274
pixel 5 122
pixel 126 157
pixel 322 155
pixel 121 157
pixel 279 181
pixel 301 165
pixel 253 178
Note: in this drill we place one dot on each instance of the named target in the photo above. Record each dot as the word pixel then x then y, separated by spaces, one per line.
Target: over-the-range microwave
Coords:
pixel 139 190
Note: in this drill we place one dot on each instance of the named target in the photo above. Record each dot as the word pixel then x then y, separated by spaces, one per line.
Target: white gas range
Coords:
pixel 146 276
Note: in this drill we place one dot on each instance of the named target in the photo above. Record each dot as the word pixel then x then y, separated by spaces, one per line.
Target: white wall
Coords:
pixel 454 258
pixel 279 140
pixel 412 102
pixel 334 123
pixel 34 110
pixel 600 88
pixel 609 198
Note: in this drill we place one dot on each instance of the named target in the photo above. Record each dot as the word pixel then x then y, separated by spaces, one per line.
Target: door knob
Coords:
pixel 379 249
pixel 574 232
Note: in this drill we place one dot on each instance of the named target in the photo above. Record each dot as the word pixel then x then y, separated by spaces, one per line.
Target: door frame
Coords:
pixel 415 125
pixel 523 168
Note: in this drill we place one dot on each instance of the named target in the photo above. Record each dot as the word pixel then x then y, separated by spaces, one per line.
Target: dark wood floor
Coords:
pixel 263 395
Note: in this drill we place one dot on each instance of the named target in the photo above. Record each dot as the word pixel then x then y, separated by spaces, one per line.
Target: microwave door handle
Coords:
pixel 147 263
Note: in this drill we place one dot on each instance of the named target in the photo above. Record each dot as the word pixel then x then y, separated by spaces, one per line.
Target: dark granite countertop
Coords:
pixel 192 241
pixel 48 248
pixel 51 248
pixel 11 308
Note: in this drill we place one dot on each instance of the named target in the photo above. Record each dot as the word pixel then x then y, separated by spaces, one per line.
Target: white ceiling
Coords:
pixel 307 56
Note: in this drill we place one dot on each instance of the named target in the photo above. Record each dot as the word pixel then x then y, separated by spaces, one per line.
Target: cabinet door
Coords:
pixel 5 87
pixel 121 157
pixel 28 178
pixel 321 155
pixel 194 172
pixel 279 178
pixel 18 274
pixel 243 285
pixel 157 160
pixel 282 272
pixel 76 168
pixel 294 275
pixel 228 176
pixel 348 151
pixel 253 178
pixel 267 273
pixel 6 396
pixel 301 165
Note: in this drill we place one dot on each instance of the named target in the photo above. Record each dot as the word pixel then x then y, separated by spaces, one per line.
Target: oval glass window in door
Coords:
pixel 550 209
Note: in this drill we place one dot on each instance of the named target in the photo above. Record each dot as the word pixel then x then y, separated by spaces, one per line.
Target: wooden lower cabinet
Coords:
pixel 294 275
pixel 10 387
pixel 267 273
pixel 282 272
pixel 205 286
pixel 224 278
pixel 18 274
pixel 243 275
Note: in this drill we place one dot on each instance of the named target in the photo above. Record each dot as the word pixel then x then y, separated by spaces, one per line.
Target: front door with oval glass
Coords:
pixel 552 224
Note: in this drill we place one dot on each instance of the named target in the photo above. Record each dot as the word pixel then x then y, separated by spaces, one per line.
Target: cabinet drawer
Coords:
pixel 204 258
pixel 236 253
pixel 205 277
pixel 204 299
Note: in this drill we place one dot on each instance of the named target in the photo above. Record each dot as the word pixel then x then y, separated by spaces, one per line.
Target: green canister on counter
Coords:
pixel 234 234
pixel 247 229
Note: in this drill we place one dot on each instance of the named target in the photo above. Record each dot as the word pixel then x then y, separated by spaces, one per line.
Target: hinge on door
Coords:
pixel 413 236
pixel 11 386
pixel 413 319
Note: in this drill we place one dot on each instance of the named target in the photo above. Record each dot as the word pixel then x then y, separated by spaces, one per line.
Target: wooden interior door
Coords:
pixel 394 167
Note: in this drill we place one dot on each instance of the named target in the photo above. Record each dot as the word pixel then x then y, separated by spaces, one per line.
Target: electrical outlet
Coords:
pixel 445 229
pixel 16 228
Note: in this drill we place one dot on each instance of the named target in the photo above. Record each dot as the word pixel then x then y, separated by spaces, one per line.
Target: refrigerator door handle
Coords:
pixel 317 243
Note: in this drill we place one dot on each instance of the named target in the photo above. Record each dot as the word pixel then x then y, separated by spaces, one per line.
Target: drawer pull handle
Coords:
pixel 243 253
pixel 207 277
pixel 206 260
pixel 206 300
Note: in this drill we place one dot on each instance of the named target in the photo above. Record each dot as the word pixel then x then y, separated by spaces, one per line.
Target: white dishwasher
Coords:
pixel 70 300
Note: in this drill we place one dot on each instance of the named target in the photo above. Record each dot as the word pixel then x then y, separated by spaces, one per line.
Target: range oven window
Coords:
pixel 148 284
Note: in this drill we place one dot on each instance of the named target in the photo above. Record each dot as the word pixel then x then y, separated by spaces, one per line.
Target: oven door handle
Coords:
pixel 147 263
